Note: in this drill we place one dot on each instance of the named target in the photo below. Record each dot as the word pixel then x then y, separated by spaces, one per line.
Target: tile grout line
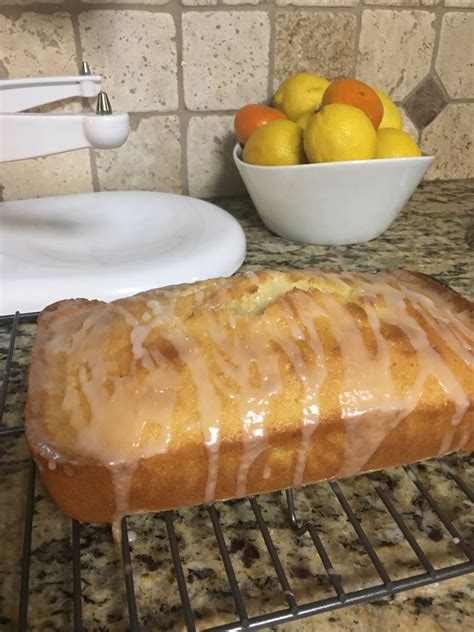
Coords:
pixel 438 12
pixel 231 111
pixel 358 10
pixel 74 15
pixel 267 6
pixel 183 118
pixel 273 16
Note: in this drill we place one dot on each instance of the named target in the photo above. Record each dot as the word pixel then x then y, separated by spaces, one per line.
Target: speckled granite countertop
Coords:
pixel 429 236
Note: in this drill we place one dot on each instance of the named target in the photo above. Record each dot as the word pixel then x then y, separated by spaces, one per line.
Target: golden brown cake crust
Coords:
pixel 230 387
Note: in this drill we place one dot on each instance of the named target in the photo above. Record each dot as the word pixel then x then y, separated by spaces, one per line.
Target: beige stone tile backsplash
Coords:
pixel 135 52
pixel 450 136
pixel 225 58
pixel 52 175
pixel 455 62
pixel 395 49
pixel 182 68
pixel 210 164
pixel 34 44
pixel 152 160
pixel 320 41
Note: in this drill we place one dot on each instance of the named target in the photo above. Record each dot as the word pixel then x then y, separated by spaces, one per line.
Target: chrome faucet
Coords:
pixel 29 135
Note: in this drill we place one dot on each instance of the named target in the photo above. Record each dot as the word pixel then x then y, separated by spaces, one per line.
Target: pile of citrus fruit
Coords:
pixel 314 120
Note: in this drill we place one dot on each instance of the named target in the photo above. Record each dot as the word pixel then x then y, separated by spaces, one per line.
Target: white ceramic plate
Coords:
pixel 108 245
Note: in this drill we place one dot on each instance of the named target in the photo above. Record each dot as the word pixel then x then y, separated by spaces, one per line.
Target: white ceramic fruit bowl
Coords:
pixel 332 203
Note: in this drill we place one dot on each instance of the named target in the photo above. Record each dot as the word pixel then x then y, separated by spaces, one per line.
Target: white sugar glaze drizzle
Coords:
pixel 312 377
pixel 209 406
pixel 436 318
pixel 122 476
pixel 430 362
pixel 92 387
pixel 120 419
pixel 363 440
pixel 368 390
pixel 208 403
pixel 307 312
pixel 128 406
pixel 253 401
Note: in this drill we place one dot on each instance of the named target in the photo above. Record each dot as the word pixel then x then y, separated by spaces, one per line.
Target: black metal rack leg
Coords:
pixel 287 591
pixel 234 586
pixel 26 558
pixel 384 576
pixel 462 485
pixel 332 573
pixel 76 575
pixel 128 574
pixel 384 497
pixel 183 591
pixel 8 365
pixel 457 538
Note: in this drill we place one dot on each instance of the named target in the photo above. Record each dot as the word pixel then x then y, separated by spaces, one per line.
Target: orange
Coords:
pixel 357 94
pixel 251 117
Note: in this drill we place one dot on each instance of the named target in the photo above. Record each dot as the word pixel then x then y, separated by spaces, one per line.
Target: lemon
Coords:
pixel 275 144
pixel 394 143
pixel 339 132
pixel 303 120
pixel 299 94
pixel 391 114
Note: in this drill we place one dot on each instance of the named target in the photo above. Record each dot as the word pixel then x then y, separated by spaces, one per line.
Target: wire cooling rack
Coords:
pixel 384 586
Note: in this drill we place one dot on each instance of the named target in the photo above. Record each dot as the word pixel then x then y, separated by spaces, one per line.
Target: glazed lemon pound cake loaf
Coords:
pixel 230 387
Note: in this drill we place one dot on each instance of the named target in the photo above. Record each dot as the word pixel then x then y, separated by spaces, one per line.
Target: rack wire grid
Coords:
pixel 384 587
